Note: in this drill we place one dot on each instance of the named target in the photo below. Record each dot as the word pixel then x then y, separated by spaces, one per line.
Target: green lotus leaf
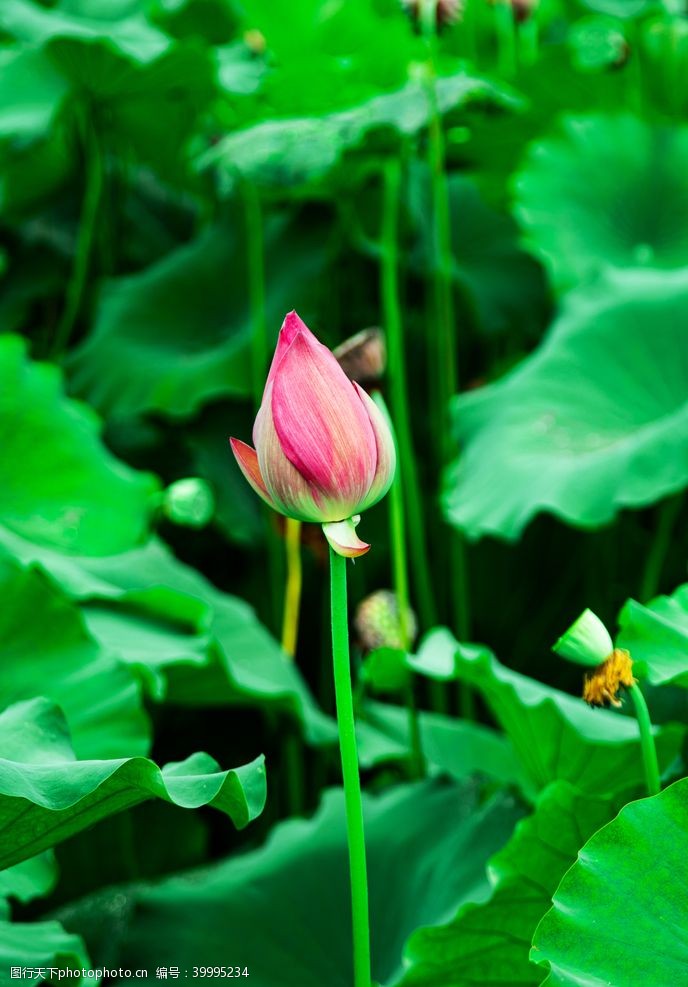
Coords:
pixel 622 8
pixel 58 483
pixel 489 943
pixel 37 945
pixel 30 879
pixel 619 915
pixel 198 646
pixel 656 635
pixel 427 845
pixel 299 152
pixel 47 795
pixel 580 428
pixel 584 202
pixel 31 93
pixel 505 287
pixel 454 747
pixel 126 32
pixel 175 335
pixel 555 736
pixel 48 652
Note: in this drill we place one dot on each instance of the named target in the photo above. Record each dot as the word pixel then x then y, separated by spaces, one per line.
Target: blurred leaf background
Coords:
pixel 175 175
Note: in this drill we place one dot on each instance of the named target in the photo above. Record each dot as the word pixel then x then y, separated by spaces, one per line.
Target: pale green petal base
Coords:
pixel 343 538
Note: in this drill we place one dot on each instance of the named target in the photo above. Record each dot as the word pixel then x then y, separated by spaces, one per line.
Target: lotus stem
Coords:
pixel 445 357
pixel 397 523
pixel 647 740
pixel 398 389
pixel 668 516
pixel 352 781
pixel 292 590
pixel 93 192
pixel 506 37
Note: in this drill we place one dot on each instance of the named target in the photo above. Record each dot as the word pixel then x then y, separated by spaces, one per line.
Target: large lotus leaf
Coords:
pixel 657 637
pixel 30 173
pixel 554 735
pixel 488 943
pixel 31 93
pixel 427 845
pixel 505 286
pixel 580 428
pixel 346 60
pixel 620 914
pixel 125 31
pixel 299 152
pixel 34 947
pixel 178 334
pixel 455 747
pixel 47 651
pixel 151 109
pixel 58 483
pixel 30 879
pixel 584 201
pixel 161 600
pixel 149 89
pixel 46 794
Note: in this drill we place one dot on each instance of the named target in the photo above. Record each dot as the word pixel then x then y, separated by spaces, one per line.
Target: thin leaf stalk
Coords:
pixel 445 356
pixel 647 741
pixel 505 29
pixel 292 590
pixel 398 393
pixel 661 543
pixel 94 178
pixel 352 782
pixel 397 523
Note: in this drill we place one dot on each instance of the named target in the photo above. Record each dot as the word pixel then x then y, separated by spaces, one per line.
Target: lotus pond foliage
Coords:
pixel 460 758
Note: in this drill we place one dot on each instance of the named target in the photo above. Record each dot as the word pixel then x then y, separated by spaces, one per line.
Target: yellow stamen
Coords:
pixel 602 685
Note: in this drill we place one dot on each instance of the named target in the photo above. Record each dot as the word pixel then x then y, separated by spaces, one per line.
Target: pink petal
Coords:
pixel 343 539
pixel 292 493
pixel 322 425
pixel 386 451
pixel 291 327
pixel 248 464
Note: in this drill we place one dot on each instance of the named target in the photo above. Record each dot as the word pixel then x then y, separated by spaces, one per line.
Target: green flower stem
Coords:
pixel 398 392
pixel 352 782
pixel 292 590
pixel 666 521
pixel 647 741
pixel 529 40
pixel 445 357
pixel 88 220
pixel 506 38
pixel 255 251
pixel 397 522
pixel 253 215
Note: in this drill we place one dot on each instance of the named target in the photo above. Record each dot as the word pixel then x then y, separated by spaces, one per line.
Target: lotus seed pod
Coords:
pixel 377 622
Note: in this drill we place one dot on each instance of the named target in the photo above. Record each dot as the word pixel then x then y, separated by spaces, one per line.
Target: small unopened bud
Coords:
pixel 255 41
pixel 378 624
pixel 446 11
pixel 521 9
pixel 189 502
pixel 601 686
pixel 363 357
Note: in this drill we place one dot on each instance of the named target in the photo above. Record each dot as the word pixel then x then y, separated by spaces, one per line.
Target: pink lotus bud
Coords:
pixel 323 451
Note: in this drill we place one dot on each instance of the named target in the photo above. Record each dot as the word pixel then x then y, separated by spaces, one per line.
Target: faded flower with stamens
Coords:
pixel 323 451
